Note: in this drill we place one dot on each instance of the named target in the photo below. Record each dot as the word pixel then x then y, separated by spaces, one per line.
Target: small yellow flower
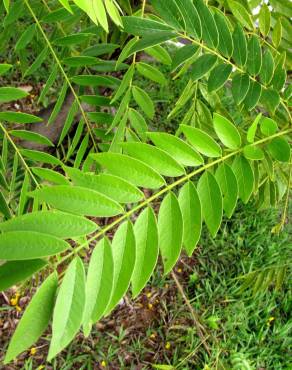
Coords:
pixel 103 363
pixel 153 336
pixel 18 308
pixel 33 351
pixel 270 320
pixel 15 299
pixel 150 306
pixel 41 367
pixel 148 295
pixel 179 270
pixel 167 345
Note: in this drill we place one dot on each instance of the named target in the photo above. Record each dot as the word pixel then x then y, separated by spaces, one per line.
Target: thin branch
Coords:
pixel 167 188
pixel 200 328
pixel 63 73
pixel 19 154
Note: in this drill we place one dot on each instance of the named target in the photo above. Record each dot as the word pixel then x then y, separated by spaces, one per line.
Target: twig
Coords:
pixel 195 318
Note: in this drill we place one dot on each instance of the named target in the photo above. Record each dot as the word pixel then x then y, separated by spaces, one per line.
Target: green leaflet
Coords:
pixel 229 188
pixel 100 49
pixel 270 99
pixel 225 38
pixel 124 84
pixel 96 100
pixel 277 33
pixel 14 272
pixel 69 307
pixel 159 53
pixel 94 81
pixel 58 104
pixel 151 40
pixel 254 56
pixel 31 136
pixel 8 94
pixel 209 29
pixel 240 13
pixel 226 131
pixel 99 283
pixel 245 177
pixel 113 12
pixel 190 206
pixel 114 187
pixel 143 27
pixel 124 251
pixel 4 67
pixel 146 235
pixel 211 201
pixel 279 149
pixel 151 72
pixel 279 77
pixel 253 95
pixel 130 169
pixel 80 61
pixel 35 318
pixel 40 156
pixel 240 87
pixel 25 38
pixel 50 175
pixel 60 14
pixel 264 19
pixel 144 101
pixel 267 70
pixel 239 46
pixel 4 209
pixel 268 126
pixel 37 63
pixel 177 148
pixel 55 223
pixel 170 13
pixel 138 123
pixel 201 141
pixel 96 11
pixel 6 5
pixel 156 158
pixel 170 231
pixel 127 49
pixel 50 80
pixel 66 5
pixel 101 118
pixel 202 65
pixel 120 117
pixel 191 17
pixel 78 200
pixel 183 54
pixel 23 194
pixel 253 153
pixel 218 76
pixel 81 151
pixel 25 245
pixel 253 128
pixel 17 117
